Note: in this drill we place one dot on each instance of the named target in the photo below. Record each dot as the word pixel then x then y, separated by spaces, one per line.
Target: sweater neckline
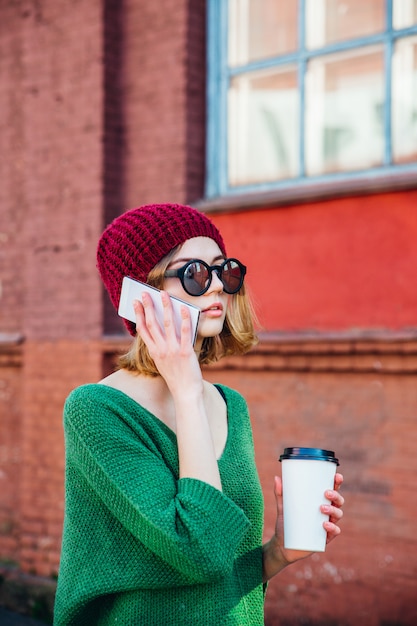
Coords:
pixel 129 400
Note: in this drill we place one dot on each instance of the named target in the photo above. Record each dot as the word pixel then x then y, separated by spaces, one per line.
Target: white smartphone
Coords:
pixel 133 289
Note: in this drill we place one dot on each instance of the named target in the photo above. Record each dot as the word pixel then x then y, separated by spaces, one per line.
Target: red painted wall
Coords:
pixel 339 264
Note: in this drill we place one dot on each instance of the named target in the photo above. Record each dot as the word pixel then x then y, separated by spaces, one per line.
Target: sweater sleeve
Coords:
pixel 194 528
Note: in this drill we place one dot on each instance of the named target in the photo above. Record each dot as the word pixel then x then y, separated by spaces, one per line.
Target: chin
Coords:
pixel 210 328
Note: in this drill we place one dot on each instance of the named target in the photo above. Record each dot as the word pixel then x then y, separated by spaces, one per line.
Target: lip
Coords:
pixel 215 309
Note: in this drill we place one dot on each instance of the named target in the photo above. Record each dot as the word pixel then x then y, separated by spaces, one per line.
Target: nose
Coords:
pixel 216 283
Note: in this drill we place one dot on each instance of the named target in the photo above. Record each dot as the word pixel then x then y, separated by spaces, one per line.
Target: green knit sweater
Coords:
pixel 142 547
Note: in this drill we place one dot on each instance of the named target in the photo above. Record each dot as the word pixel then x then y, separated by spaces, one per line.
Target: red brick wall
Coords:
pixel 359 401
pixel 62 317
pixel 10 453
pixel 51 216
pixel 12 167
pixel 164 77
pixel 51 370
pixel 64 127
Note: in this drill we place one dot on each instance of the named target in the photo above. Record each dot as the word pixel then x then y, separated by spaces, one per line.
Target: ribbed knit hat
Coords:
pixel 137 240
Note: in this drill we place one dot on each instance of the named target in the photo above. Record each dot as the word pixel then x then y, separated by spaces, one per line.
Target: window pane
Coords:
pixel 259 29
pixel 404 100
pixel 344 112
pixel 330 21
pixel 263 126
pixel 404 13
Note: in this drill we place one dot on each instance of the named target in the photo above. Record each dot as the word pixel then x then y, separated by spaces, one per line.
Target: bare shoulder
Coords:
pixel 115 379
pixel 212 395
pixel 130 384
pixel 217 416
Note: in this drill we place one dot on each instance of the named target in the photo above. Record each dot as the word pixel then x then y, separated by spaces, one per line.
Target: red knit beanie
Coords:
pixel 137 240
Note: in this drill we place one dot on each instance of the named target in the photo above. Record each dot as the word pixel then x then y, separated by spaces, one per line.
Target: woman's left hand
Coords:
pixel 276 557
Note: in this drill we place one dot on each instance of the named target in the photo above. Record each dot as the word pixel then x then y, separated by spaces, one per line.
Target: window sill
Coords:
pixel 301 193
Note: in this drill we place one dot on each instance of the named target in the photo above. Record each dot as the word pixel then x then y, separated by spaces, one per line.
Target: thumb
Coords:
pixel 278 493
pixel 277 487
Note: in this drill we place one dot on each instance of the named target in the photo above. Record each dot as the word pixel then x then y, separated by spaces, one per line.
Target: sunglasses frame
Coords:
pixel 179 273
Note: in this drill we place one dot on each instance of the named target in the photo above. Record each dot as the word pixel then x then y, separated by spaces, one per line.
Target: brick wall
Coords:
pixel 359 399
pixel 64 126
pixel 51 370
pixel 63 305
pixel 51 214
pixel 10 451
pixel 164 76
pixel 12 167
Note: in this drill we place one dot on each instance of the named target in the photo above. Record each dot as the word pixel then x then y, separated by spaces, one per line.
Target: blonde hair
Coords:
pixel 237 336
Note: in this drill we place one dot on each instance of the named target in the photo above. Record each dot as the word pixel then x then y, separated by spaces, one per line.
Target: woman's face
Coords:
pixel 213 303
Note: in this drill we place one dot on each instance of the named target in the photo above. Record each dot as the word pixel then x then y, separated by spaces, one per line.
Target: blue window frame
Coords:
pixel 328 99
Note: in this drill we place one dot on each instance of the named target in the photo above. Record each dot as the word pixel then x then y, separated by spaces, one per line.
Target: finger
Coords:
pixel 151 330
pixel 338 480
pixel 335 514
pixel 138 307
pixel 141 328
pixel 335 498
pixel 186 338
pixel 168 315
pixel 332 530
pixel 278 495
pixel 277 487
pixel 169 321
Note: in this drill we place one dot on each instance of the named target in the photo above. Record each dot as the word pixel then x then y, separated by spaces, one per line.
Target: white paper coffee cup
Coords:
pixel 306 474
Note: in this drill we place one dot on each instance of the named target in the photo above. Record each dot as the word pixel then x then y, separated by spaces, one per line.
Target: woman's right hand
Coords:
pixel 174 356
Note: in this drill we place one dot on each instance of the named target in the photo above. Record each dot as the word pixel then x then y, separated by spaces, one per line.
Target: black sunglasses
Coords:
pixel 196 276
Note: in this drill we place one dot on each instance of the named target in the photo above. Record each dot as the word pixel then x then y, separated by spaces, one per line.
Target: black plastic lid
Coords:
pixel 313 454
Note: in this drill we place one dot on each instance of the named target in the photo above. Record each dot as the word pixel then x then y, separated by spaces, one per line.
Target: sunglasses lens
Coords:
pixel 196 276
pixel 195 279
pixel 232 276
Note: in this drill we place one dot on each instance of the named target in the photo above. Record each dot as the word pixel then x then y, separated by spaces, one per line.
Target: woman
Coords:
pixel 164 511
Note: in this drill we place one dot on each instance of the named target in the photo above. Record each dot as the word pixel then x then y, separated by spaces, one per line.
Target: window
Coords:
pixel 301 91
